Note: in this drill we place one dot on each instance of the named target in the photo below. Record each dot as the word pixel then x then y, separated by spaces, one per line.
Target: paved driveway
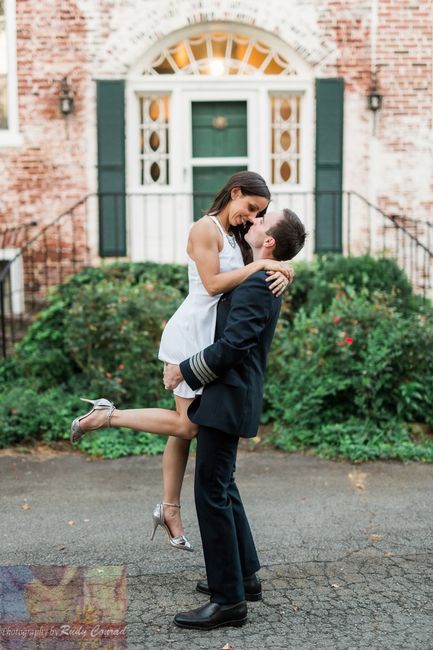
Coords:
pixel 347 551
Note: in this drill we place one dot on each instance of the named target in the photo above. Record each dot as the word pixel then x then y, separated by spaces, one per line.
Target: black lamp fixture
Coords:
pixel 374 96
pixel 66 101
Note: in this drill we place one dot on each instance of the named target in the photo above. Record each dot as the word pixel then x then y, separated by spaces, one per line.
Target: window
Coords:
pixel 220 53
pixel 154 140
pixel 8 77
pixel 3 69
pixel 285 139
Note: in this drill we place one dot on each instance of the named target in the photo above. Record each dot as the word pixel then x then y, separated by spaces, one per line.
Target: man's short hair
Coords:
pixel 289 234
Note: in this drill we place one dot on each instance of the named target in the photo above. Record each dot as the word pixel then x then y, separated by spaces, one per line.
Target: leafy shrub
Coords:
pixel 318 282
pixel 112 335
pixel 99 336
pixel 337 274
pixel 348 380
pixel 46 357
pixel 27 414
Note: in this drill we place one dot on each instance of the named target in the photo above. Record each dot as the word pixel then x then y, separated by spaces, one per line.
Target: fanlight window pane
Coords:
pixel 3 70
pixel 154 139
pixel 285 139
pixel 219 45
pixel 236 54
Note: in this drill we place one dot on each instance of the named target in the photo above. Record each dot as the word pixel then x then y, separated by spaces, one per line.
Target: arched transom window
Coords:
pixel 220 53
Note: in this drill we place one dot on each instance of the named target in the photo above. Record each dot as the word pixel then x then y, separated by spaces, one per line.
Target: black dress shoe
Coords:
pixel 213 615
pixel 252 586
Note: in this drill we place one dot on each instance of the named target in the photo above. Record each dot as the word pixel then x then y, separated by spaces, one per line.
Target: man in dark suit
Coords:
pixel 231 371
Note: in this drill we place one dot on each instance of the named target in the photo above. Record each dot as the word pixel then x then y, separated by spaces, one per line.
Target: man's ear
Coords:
pixel 236 193
pixel 269 242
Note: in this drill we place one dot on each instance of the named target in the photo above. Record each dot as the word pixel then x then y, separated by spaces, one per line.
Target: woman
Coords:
pixel 219 260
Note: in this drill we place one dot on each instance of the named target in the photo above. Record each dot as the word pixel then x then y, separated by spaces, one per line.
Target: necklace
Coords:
pixel 229 236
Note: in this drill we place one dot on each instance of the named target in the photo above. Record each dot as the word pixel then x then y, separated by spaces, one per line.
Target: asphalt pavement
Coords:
pixel 346 550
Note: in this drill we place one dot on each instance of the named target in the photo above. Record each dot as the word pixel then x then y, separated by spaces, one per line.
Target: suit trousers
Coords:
pixel 228 545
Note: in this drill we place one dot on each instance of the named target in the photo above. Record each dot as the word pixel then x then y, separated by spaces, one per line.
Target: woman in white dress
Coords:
pixel 219 259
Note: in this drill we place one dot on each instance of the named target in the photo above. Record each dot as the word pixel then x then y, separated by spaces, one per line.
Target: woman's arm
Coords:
pixel 203 249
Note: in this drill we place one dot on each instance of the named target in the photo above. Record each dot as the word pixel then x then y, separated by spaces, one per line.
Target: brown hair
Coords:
pixel 251 184
pixel 289 234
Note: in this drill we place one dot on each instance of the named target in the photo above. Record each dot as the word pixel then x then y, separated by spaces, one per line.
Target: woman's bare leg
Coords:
pixel 180 430
pixel 173 470
pixel 153 420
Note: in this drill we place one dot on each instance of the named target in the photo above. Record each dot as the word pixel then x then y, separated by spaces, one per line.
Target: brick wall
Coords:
pixel 48 173
pixel 84 40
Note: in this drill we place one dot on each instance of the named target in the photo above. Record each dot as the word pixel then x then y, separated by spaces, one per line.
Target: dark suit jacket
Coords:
pixel 232 369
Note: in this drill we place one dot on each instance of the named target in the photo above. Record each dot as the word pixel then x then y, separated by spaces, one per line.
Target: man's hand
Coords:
pixel 172 376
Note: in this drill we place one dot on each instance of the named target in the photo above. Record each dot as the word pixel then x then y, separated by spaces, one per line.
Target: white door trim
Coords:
pixel 183 91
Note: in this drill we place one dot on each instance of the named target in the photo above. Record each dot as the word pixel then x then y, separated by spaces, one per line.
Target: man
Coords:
pixel 231 371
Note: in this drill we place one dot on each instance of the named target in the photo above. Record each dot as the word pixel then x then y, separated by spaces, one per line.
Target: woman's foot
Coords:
pixel 161 518
pixel 94 420
pixel 173 520
pixel 97 418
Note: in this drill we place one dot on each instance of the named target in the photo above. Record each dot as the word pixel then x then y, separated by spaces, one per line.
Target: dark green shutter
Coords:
pixel 111 167
pixel 329 164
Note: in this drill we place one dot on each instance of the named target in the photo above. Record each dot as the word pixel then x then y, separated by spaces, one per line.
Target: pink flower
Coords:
pixel 336 319
pixel 348 340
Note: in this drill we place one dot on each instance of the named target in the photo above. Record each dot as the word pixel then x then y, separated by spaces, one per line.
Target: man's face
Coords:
pixel 257 232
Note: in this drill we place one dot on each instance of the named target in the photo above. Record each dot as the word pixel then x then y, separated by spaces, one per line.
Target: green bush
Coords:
pixel 26 414
pixel 112 335
pixel 335 274
pixel 349 380
pixel 318 282
pixel 99 336
pixel 44 356
pixel 100 332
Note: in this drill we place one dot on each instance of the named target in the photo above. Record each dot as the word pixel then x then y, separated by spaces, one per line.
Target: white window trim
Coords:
pixel 183 91
pixel 11 137
pixel 16 278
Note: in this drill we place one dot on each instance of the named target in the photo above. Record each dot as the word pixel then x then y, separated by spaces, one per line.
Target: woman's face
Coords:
pixel 244 207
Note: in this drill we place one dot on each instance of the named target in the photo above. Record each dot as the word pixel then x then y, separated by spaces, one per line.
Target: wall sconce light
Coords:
pixel 66 101
pixel 374 96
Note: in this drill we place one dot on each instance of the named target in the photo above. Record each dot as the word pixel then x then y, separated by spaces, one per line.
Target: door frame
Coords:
pixel 184 90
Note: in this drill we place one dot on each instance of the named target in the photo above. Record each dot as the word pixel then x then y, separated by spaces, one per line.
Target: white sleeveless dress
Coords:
pixel 192 326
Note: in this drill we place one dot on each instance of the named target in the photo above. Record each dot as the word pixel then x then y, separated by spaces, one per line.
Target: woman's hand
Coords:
pixel 172 376
pixel 280 275
pixel 282 267
pixel 278 282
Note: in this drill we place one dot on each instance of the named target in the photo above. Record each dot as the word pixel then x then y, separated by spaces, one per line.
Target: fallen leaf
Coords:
pixel 388 554
pixel 335 586
pixel 375 538
pixel 228 646
pixel 357 479
pixel 71 523
pixel 25 506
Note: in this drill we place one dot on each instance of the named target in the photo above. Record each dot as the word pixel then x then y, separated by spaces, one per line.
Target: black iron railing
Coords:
pixel 157 228
pixel 51 255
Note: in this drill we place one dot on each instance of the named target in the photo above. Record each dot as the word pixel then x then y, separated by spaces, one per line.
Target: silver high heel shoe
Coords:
pixel 98 404
pixel 180 542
